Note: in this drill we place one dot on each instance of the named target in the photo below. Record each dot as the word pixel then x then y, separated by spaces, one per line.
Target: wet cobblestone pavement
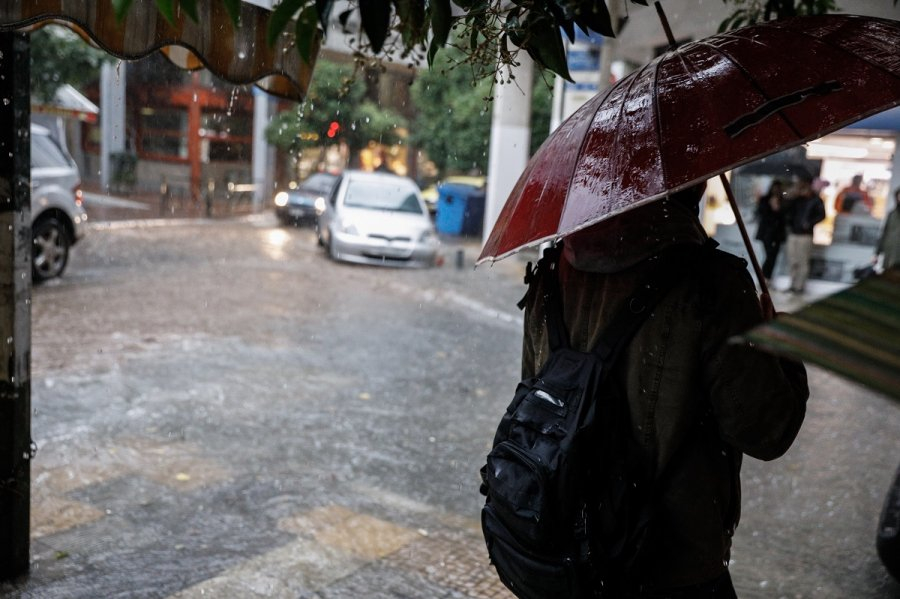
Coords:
pixel 222 412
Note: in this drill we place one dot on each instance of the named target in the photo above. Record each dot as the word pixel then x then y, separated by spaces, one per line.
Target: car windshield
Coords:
pixel 396 196
pixel 320 183
pixel 45 153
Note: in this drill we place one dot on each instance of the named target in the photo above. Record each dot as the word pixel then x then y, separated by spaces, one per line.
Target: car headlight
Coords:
pixel 427 236
pixel 320 205
pixel 281 199
pixel 348 228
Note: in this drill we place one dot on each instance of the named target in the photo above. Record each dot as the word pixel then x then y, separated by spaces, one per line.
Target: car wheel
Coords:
pixel 329 247
pixel 50 243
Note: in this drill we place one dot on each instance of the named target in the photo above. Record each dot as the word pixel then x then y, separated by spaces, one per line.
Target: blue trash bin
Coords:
pixel 460 209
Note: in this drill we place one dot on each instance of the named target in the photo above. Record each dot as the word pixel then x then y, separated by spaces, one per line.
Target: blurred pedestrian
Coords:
pixel 805 209
pixel 889 243
pixel 854 198
pixel 771 230
pixel 695 402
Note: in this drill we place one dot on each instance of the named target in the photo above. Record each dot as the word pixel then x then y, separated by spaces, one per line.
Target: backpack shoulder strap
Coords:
pixel 545 277
pixel 548 271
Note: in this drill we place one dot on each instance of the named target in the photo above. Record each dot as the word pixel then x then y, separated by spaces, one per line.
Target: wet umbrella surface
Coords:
pixel 698 111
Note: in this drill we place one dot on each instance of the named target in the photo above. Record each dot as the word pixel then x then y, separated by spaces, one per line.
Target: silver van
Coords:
pixel 57 216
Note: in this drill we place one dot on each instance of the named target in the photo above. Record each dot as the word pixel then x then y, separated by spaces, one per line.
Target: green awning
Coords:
pixel 855 333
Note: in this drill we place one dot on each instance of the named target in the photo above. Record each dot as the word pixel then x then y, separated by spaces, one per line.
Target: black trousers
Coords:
pixel 772 248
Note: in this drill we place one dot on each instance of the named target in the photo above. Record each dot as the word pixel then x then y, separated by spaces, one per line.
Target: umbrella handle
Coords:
pixel 764 298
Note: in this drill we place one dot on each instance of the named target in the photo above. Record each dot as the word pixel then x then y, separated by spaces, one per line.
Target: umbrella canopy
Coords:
pixel 855 333
pixel 698 111
pixel 237 54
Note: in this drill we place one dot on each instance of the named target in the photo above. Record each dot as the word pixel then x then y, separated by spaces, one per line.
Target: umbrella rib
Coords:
pixel 581 148
pixel 658 113
pixel 625 96
pixel 753 83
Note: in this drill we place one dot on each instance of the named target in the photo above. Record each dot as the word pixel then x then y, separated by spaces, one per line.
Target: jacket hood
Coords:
pixel 628 238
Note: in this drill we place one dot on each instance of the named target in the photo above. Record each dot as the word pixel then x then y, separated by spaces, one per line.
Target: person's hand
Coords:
pixel 768 308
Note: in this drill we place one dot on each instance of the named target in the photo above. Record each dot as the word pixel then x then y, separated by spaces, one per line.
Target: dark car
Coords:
pixel 306 201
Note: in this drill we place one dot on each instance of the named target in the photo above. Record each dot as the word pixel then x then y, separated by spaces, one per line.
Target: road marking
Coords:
pixel 484 310
pixel 105 200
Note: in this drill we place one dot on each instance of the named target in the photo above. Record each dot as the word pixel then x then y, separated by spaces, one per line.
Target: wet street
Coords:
pixel 222 411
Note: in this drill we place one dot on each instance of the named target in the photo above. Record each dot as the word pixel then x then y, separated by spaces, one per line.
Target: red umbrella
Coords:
pixel 697 111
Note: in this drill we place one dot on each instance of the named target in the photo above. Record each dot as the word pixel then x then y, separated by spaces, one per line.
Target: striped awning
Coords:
pixel 69 102
pixel 855 333
pixel 239 54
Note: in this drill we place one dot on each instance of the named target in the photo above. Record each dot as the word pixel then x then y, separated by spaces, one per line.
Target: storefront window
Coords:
pixel 163 133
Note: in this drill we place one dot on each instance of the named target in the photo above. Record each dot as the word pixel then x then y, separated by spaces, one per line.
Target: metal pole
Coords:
pixel 16 448
pixel 260 165
pixel 508 153
pixel 764 297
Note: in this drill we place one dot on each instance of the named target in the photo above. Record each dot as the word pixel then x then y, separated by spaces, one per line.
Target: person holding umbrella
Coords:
pixel 805 210
pixel 612 183
pixel 696 402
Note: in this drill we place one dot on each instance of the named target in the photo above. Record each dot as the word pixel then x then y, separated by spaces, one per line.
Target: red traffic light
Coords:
pixel 333 129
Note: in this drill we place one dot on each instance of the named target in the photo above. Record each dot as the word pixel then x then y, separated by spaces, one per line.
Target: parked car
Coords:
pixel 297 206
pixel 377 218
pixel 57 216
pixel 432 192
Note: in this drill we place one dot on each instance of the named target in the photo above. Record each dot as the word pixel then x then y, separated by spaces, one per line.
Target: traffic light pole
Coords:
pixel 15 306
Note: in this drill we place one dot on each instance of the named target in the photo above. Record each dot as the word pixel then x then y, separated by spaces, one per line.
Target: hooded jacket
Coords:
pixel 697 402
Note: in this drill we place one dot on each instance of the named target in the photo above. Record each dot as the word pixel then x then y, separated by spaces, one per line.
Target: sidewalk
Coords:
pixel 102 206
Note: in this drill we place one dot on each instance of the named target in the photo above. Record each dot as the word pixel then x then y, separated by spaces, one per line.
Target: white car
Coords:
pixel 57 216
pixel 377 218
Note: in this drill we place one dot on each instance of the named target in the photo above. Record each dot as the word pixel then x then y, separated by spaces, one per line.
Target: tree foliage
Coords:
pixel 453 120
pixel 490 33
pixel 418 29
pixel 60 56
pixel 335 95
pixel 750 12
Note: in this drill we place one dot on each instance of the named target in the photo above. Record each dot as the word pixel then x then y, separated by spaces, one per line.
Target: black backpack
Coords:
pixel 569 492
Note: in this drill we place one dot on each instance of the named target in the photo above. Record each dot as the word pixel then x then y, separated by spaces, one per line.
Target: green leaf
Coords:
pixel 544 44
pixel 167 9
pixel 376 19
pixel 323 8
pixel 234 10
pixel 120 7
pixel 595 16
pixel 344 17
pixel 441 20
pixel 307 31
pixel 514 28
pixel 411 16
pixel 569 28
pixel 190 7
pixel 281 16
